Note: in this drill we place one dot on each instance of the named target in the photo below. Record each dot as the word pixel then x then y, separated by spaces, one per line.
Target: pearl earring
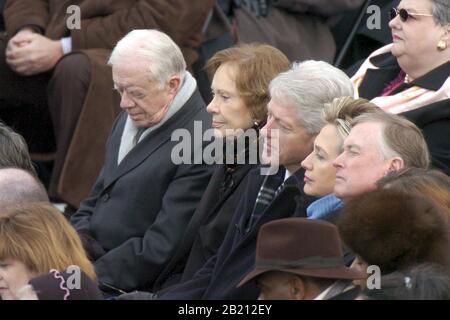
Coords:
pixel 442 45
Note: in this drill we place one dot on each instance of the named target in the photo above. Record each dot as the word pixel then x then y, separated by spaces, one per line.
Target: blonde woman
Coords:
pixel 320 173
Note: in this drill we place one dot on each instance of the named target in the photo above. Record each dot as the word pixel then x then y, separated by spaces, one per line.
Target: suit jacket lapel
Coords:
pixel 213 201
pixel 153 141
pixel 376 80
pixel 237 178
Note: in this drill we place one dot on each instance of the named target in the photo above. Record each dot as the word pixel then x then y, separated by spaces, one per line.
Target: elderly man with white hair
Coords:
pixel 137 211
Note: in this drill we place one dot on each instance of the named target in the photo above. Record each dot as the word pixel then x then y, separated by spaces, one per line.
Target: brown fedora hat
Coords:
pixel 302 246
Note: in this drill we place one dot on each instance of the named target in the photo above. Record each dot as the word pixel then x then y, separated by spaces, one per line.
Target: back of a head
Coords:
pixel 399 137
pixel 154 48
pixel 14 150
pixel 432 184
pixel 19 187
pixel 310 85
pixel 394 230
pixel 39 236
pixel 257 65
pixel 421 282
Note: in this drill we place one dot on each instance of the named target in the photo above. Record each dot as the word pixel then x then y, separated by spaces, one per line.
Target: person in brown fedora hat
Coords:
pixel 299 259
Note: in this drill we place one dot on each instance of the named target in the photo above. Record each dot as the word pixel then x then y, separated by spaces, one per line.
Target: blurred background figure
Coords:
pixel 420 282
pixel 60 285
pixel 35 239
pixel 394 230
pixel 432 184
pixel 19 187
pixel 14 150
pixel 299 28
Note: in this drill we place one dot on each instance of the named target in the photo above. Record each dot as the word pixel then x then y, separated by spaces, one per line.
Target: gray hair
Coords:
pixel 18 187
pixel 399 137
pixel 14 150
pixel 164 57
pixel 441 11
pixel 310 85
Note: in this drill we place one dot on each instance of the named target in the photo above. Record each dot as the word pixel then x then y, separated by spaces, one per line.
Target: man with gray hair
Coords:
pixel 378 144
pixel 138 209
pixel 18 187
pixel 294 119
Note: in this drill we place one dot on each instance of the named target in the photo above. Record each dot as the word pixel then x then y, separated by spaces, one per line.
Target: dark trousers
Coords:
pixel 45 108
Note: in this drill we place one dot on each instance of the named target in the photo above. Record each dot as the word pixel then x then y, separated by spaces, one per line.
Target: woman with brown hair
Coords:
pixel 35 239
pixel 240 81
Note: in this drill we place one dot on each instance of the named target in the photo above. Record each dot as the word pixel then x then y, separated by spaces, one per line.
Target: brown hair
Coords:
pixel 257 65
pixel 432 184
pixel 393 229
pixel 14 150
pixel 39 236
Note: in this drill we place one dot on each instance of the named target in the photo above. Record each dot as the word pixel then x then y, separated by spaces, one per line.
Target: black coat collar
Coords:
pixel 377 79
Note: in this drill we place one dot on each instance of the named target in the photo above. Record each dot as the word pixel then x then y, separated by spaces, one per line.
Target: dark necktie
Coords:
pixel 269 190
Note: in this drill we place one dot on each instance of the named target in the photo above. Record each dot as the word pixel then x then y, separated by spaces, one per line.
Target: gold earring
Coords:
pixel 442 45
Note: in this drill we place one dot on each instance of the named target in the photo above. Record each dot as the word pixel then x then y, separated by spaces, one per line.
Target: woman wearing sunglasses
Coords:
pixel 411 75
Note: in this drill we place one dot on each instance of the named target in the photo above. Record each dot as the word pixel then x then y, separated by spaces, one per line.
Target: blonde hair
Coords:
pixel 39 236
pixel 342 111
pixel 257 65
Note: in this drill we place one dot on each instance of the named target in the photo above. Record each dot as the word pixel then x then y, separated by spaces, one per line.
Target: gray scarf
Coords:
pixel 127 143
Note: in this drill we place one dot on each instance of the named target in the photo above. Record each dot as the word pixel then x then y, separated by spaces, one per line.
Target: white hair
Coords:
pixel 310 85
pixel 163 55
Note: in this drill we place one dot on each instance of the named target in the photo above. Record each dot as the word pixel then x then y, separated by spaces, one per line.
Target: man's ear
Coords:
pixel 174 84
pixel 396 164
pixel 298 288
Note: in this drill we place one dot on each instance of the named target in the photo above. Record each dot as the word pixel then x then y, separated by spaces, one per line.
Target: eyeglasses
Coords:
pixel 404 15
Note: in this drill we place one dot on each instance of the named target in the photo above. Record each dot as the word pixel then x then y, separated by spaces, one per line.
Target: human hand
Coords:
pixel 31 53
pixel 19 39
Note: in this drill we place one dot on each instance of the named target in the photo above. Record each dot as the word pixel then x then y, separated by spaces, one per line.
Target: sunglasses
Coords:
pixel 404 15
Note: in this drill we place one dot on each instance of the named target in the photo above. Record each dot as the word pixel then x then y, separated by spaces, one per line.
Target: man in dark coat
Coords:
pixel 137 212
pixel 57 48
pixel 297 100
